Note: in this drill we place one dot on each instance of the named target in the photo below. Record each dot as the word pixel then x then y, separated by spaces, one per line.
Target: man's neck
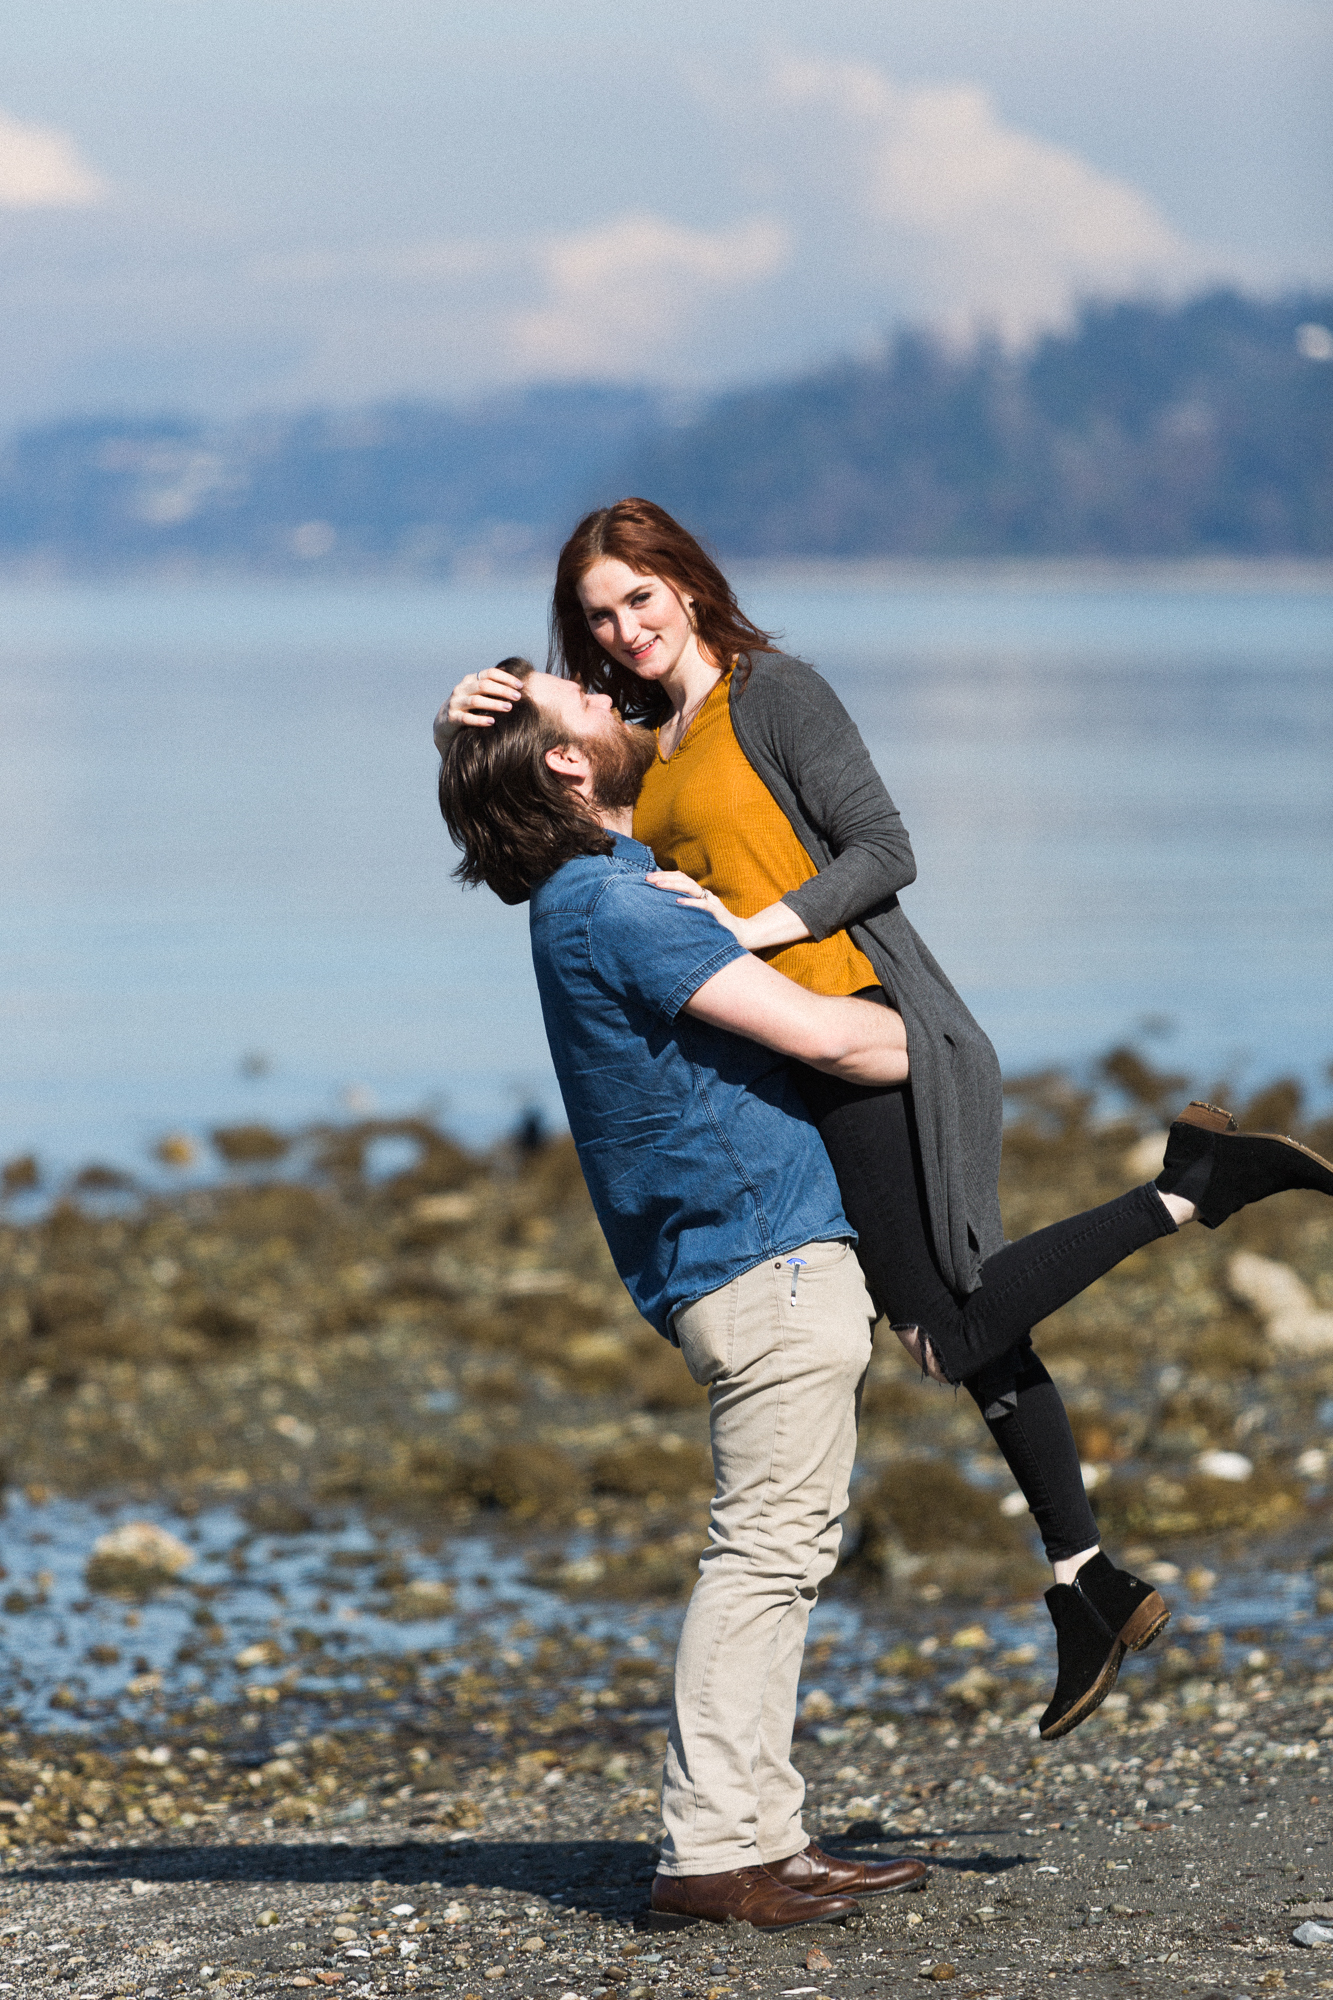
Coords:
pixel 619 821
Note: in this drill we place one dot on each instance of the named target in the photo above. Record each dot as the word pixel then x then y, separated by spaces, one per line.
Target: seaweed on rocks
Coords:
pixel 371 1314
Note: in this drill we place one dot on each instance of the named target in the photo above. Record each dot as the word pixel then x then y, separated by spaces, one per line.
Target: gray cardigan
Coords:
pixel 807 750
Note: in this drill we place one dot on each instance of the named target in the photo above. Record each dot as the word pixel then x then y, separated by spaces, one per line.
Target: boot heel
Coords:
pixel 1208 1117
pixel 1150 1618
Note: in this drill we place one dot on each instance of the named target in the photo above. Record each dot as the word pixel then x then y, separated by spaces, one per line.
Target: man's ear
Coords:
pixel 569 763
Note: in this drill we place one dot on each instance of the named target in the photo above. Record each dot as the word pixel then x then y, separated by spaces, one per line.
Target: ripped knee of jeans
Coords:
pixel 924 1352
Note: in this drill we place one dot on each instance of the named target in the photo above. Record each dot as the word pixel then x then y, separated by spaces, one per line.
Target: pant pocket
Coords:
pixel 829 1278
pixel 705 1332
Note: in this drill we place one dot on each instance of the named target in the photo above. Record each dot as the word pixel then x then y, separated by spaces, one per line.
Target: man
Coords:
pixel 724 1220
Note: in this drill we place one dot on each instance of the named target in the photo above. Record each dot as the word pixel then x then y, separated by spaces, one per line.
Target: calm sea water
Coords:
pixel 219 836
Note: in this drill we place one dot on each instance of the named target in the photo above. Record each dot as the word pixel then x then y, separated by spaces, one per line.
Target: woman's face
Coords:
pixel 640 622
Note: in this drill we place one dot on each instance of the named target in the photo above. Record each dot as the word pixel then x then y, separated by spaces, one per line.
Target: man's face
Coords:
pixel 570 706
pixel 616 754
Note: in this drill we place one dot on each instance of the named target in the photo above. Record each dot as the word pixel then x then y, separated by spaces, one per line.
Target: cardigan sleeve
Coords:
pixel 818 748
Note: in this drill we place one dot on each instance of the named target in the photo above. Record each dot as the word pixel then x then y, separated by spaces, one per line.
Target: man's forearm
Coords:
pixel 873 1048
pixel 857 1040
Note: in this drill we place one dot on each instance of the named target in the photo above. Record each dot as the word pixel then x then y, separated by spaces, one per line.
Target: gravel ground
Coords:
pixel 333 1383
pixel 1132 1859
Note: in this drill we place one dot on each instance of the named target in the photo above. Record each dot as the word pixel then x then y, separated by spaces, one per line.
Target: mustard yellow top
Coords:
pixel 706 811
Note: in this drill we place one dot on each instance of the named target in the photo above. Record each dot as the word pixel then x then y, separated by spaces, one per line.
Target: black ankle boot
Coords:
pixel 1089 1659
pixel 1220 1169
pixel 1133 1610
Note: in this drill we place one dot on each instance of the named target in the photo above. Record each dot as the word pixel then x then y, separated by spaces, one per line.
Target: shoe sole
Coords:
pixel 1150 1618
pixel 1092 1698
pixel 677 1920
pixel 912 1888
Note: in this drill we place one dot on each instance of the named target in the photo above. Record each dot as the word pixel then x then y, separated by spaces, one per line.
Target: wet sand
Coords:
pixel 386 1369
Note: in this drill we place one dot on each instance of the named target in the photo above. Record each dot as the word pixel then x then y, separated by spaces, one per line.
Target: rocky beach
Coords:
pixel 350 1510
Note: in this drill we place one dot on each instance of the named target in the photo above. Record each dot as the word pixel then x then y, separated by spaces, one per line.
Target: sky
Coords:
pixel 221 205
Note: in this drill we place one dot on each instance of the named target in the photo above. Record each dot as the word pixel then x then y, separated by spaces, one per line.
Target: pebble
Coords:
pixel 360 1313
pixel 1312 1934
pixel 145 1543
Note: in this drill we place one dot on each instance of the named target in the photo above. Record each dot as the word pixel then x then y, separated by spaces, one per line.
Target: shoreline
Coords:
pixel 1206 570
pixel 422 1404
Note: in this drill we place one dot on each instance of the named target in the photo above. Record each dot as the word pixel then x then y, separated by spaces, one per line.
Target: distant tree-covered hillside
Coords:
pixel 1149 430
pixel 415 487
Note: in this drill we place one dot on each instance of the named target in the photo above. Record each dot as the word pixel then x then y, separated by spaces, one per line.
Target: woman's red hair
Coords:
pixel 647 540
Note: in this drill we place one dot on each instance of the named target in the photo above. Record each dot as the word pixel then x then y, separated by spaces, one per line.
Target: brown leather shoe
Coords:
pixel 820 1874
pixel 745 1896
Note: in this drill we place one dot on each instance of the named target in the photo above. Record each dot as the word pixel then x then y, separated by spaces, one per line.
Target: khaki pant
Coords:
pixel 784 1392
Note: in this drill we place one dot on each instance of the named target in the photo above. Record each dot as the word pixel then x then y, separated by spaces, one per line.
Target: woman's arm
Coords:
pixel 803 743
pixel 776 925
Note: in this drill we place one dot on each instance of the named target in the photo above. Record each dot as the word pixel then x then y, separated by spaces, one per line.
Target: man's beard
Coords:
pixel 619 760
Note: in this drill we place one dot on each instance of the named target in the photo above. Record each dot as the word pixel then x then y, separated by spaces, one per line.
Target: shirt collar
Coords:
pixel 632 853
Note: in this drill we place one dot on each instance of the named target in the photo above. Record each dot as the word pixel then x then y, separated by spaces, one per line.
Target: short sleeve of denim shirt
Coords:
pixel 650 948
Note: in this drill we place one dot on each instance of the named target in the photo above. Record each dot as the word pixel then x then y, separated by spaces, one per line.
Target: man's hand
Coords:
pixel 855 1039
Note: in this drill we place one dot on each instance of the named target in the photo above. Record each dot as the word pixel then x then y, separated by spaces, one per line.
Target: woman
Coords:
pixel 764 805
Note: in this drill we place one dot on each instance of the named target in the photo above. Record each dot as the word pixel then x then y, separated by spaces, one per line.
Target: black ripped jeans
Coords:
pixel 983 1340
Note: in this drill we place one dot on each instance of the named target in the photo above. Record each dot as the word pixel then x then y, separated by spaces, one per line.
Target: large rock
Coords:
pixel 1283 1301
pixel 135 1557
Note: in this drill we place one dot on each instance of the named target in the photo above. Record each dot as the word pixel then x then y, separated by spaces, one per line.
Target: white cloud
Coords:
pixel 970 221
pixel 41 168
pixel 836 202
pixel 636 296
pixel 626 295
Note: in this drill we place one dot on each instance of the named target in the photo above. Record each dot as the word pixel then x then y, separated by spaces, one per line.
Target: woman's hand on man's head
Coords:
pixel 475 703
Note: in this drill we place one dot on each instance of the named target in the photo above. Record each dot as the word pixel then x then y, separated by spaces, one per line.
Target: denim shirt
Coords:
pixel 698 1153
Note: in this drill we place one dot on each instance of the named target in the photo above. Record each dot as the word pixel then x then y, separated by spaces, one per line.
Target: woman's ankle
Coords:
pixel 1176 1206
pixel 1069 1566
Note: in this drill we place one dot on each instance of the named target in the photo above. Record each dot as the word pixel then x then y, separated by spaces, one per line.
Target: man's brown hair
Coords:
pixel 514 820
pixel 649 541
